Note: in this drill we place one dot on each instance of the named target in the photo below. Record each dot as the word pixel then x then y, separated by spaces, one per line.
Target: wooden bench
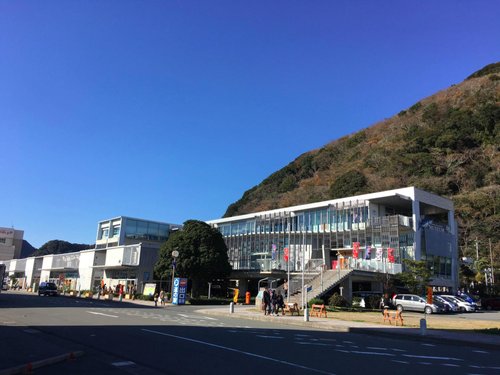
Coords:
pixel 318 310
pixel 396 316
pixel 291 308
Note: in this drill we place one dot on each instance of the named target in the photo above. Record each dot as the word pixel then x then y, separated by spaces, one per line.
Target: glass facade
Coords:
pixel 314 236
pixel 146 230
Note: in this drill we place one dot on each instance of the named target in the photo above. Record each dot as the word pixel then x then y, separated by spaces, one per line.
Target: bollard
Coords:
pixel 231 308
pixel 306 314
pixel 423 326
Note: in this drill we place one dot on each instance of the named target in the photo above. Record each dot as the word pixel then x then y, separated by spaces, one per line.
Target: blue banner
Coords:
pixel 180 291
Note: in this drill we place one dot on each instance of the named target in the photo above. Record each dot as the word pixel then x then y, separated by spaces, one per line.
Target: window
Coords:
pixel 116 231
pixel 2 240
pixel 105 233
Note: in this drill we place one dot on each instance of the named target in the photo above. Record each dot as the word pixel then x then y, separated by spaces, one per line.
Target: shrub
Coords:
pixel 336 300
pixel 372 302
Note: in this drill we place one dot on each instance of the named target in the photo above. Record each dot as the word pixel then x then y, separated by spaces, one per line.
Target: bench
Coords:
pixel 318 310
pixel 396 316
pixel 291 308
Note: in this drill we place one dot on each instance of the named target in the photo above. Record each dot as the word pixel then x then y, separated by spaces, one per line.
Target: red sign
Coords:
pixel 285 257
pixel 390 255
pixel 355 249
pixel 285 250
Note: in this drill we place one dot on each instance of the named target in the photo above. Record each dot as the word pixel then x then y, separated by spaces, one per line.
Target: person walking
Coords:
pixel 161 297
pixel 280 304
pixel 266 300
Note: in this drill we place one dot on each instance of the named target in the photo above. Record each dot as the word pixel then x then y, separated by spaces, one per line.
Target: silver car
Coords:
pixel 412 302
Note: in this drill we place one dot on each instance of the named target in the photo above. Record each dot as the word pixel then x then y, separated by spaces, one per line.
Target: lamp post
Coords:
pixel 175 254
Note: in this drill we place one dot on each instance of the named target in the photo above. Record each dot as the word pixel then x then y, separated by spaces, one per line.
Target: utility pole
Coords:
pixel 492 269
pixel 477 249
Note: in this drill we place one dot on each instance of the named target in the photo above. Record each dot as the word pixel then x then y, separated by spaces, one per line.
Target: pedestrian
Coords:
pixel 155 297
pixel 162 298
pixel 274 297
pixel 280 304
pixel 266 300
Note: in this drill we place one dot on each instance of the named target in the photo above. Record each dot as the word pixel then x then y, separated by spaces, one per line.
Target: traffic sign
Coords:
pixel 285 250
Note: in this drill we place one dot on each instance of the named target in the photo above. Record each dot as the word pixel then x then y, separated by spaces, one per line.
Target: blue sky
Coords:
pixel 170 110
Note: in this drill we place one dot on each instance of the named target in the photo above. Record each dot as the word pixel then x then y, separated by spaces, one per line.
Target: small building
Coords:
pixel 11 243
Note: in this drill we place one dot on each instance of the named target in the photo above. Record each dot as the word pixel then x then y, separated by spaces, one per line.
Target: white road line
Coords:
pixel 196 317
pixel 449 365
pixel 375 348
pixel 373 353
pixel 270 337
pixel 403 362
pixel 240 352
pixel 313 343
pixel 480 351
pixel 98 313
pixel 432 357
pixel 428 345
pixel 123 363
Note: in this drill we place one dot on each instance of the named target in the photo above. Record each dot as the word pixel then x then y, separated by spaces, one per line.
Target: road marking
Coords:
pixel 196 317
pixel 432 357
pixel 313 343
pixel 373 353
pixel 240 352
pixel 270 337
pixel 403 362
pixel 98 313
pixel 375 348
pixel 123 363
pixel 449 365
pixel 31 331
pixel 481 351
pixel 428 345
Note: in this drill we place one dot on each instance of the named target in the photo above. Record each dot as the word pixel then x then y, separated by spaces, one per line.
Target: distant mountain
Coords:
pixel 60 247
pixel 447 143
pixel 27 250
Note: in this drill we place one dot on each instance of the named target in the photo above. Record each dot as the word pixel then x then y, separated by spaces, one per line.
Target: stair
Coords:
pixel 320 284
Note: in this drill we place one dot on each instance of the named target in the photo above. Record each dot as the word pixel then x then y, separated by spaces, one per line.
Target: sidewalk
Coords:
pixel 331 324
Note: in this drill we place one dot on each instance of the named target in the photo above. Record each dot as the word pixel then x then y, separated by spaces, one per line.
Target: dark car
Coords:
pixel 47 289
pixel 491 303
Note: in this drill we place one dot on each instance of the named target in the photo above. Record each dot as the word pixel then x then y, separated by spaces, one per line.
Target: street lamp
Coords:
pixel 175 254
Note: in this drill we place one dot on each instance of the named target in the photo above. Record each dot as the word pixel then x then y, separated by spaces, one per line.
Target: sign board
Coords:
pixel 180 291
pixel 149 289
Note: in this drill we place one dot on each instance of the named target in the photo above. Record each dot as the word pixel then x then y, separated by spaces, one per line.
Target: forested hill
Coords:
pixel 447 143
pixel 60 247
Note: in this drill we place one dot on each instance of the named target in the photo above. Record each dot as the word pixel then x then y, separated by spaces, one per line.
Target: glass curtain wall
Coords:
pixel 258 243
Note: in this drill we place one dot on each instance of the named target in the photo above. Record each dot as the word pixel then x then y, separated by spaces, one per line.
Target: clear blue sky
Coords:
pixel 170 110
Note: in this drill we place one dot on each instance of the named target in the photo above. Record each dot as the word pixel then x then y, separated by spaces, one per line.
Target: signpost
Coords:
pixel 179 291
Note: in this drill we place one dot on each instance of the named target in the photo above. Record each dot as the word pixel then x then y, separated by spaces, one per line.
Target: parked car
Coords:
pixel 453 307
pixel 412 302
pixel 47 289
pixel 463 306
pixel 445 307
pixel 490 303
pixel 468 298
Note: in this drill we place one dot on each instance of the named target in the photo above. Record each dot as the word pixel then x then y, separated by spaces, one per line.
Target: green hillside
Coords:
pixel 447 143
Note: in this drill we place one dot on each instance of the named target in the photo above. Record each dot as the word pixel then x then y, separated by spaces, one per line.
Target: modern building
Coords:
pixel 346 244
pixel 359 236
pixel 125 253
pixel 11 243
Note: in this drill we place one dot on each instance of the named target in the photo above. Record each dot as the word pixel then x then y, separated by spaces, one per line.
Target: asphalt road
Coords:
pixel 123 338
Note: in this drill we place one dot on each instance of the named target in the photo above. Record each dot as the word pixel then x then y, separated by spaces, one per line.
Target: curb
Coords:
pixel 30 366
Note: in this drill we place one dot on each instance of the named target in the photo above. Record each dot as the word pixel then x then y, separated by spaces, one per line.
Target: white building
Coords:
pixel 359 236
pixel 125 254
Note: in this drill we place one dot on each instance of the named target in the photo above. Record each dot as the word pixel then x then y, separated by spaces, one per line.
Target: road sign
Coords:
pixel 285 250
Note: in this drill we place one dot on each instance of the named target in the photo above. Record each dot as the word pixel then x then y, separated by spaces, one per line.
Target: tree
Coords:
pixel 416 276
pixel 202 255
